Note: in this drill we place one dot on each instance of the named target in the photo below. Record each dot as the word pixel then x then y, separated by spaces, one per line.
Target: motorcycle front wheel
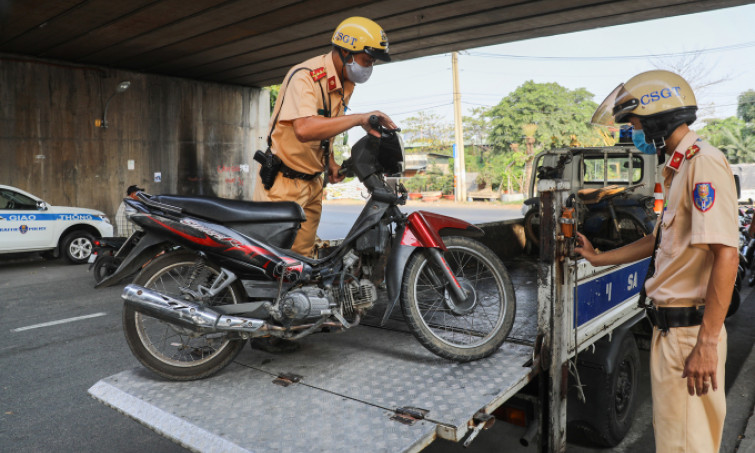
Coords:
pixel 172 351
pixel 459 331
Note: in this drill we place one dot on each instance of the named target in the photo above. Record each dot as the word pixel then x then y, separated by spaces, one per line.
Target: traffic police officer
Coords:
pixel 310 110
pixel 692 277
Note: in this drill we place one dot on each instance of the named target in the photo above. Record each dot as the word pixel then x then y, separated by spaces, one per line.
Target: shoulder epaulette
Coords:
pixel 691 151
pixel 317 74
pixel 676 160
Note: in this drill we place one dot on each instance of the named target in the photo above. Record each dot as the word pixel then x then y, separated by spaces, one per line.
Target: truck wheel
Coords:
pixel 464 331
pixel 77 246
pixel 613 403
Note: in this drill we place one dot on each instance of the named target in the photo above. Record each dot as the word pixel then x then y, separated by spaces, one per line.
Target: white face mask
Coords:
pixel 356 72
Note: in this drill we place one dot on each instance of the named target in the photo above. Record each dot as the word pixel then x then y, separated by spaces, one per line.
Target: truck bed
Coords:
pixel 343 389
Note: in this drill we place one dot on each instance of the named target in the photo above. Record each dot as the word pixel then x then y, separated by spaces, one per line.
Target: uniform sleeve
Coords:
pixel 714 202
pixel 299 99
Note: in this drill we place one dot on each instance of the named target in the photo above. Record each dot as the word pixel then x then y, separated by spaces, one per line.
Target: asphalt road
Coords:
pixel 60 336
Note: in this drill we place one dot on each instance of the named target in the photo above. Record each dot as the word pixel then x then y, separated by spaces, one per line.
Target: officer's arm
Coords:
pixel 701 365
pixel 637 250
pixel 312 128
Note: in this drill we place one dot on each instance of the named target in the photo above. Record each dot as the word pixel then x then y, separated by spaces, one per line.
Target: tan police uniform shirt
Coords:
pixel 301 97
pixel 701 209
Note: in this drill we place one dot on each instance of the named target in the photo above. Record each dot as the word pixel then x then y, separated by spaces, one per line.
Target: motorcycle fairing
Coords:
pixel 421 230
pixel 147 247
pixel 225 244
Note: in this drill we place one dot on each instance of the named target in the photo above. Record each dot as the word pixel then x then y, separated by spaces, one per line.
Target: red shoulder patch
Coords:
pixel 676 160
pixel 691 151
pixel 317 74
pixel 332 83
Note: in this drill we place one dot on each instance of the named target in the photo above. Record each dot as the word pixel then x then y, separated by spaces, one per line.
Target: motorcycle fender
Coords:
pixel 394 272
pixel 146 249
pixel 422 230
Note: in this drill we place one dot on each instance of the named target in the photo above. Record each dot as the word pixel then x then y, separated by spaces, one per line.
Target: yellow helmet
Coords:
pixel 359 34
pixel 660 99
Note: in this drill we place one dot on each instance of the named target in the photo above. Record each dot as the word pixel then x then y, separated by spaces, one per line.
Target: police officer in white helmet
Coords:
pixel 694 248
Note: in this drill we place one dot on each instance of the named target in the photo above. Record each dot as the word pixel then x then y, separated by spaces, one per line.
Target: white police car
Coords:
pixel 28 224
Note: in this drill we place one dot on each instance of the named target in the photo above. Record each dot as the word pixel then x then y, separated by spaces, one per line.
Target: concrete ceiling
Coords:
pixel 254 42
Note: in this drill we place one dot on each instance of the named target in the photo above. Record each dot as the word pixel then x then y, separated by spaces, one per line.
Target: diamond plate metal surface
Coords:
pixel 351 384
pixel 391 369
pixel 241 410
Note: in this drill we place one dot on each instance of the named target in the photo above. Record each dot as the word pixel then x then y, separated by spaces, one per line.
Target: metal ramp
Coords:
pixel 345 400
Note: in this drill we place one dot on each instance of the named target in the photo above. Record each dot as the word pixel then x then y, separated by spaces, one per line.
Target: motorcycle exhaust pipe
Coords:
pixel 185 313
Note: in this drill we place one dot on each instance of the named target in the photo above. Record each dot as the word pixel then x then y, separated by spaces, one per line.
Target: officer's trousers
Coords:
pixel 308 194
pixel 684 423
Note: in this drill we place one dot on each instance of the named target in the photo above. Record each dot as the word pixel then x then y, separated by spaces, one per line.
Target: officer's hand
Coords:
pixel 333 176
pixel 585 248
pixel 385 121
pixel 700 369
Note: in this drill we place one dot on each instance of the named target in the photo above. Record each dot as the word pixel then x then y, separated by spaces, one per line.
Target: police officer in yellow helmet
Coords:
pixel 694 247
pixel 311 109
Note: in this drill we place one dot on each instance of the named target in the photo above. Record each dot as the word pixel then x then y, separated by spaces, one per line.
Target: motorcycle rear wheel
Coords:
pixel 468 331
pixel 169 350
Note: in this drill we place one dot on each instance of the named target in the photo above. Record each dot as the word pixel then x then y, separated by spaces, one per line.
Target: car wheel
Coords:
pixel 77 246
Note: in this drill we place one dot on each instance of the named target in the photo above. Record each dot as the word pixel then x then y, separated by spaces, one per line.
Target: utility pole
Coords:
pixel 459 167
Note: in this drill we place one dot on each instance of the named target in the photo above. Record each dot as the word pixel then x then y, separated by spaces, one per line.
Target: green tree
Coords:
pixel 428 131
pixel 740 146
pixel 274 90
pixel 746 106
pixel 713 131
pixel 557 111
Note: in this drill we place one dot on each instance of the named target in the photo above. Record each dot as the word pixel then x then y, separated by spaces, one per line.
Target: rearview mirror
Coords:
pixel 41 205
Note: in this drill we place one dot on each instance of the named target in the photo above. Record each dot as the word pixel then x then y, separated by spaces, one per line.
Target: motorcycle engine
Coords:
pixel 356 296
pixel 304 303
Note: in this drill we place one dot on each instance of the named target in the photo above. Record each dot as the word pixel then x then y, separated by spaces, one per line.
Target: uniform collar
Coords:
pixel 331 77
pixel 677 159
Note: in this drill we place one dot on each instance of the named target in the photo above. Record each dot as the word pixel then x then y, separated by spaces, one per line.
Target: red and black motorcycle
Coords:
pixel 220 272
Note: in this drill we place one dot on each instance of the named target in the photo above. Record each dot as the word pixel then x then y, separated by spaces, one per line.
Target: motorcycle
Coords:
pixel 221 272
pixel 109 253
pixel 610 217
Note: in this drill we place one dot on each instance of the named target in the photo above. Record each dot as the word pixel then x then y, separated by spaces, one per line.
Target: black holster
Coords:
pixel 270 165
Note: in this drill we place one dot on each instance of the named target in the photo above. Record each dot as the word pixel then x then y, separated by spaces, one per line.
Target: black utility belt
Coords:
pixel 293 174
pixel 664 318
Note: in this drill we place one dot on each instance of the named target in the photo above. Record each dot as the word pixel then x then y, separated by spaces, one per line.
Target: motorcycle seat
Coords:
pixel 592 196
pixel 223 210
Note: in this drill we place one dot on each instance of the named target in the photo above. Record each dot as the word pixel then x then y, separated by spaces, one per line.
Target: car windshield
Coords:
pixel 16 201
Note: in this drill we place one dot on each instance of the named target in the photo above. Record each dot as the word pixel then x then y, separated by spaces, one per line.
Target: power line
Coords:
pixel 614 57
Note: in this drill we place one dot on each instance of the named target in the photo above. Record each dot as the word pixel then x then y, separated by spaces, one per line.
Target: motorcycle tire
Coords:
pixel 169 350
pixel 532 226
pixel 104 266
pixel 470 330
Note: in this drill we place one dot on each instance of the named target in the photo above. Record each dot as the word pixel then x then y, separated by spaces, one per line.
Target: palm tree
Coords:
pixel 740 146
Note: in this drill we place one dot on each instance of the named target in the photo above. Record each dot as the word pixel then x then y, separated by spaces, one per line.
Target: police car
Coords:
pixel 28 224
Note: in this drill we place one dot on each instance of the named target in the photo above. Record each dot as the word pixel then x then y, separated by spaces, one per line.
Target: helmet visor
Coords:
pixel 603 116
pixel 378 54
pixel 616 108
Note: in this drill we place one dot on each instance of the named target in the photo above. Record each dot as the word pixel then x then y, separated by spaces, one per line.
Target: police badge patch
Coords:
pixel 703 196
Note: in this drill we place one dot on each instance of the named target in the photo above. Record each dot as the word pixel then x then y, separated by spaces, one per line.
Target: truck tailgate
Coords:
pixel 350 386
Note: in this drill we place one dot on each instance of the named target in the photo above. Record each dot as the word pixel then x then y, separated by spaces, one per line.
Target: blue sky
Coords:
pixel 597 60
